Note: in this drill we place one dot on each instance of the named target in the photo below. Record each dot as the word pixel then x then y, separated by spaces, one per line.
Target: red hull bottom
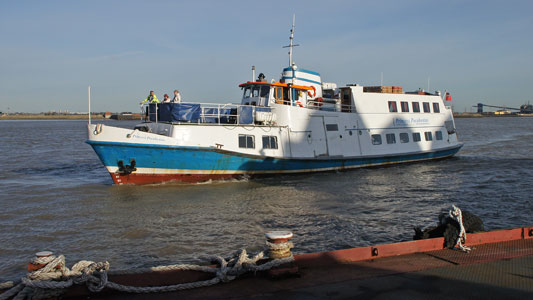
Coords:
pixel 134 178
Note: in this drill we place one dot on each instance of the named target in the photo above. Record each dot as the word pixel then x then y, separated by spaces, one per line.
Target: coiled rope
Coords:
pixel 53 279
pixel 456 214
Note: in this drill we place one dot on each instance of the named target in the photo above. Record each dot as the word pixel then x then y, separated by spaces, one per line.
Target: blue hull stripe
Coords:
pixel 209 159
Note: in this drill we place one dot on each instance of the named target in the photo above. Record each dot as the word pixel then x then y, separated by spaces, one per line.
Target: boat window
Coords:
pixel 438 135
pixel 391 138
pixel 297 94
pixel 416 107
pixel 405 106
pixel 246 141
pixel 247 91
pixel 346 95
pixel 404 137
pixel 346 102
pixel 265 90
pixel 279 93
pixel 255 91
pixel 376 139
pixel 270 142
pixel 426 107
pixel 332 127
pixel 286 93
pixel 392 106
pixel 328 93
pixel 436 107
pixel 416 136
pixel 428 136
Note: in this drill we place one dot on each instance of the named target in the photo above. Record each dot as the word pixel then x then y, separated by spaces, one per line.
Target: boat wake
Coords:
pixel 240 179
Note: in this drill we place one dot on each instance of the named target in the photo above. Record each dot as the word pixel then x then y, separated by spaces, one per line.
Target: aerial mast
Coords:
pixel 291 38
pixel 89 105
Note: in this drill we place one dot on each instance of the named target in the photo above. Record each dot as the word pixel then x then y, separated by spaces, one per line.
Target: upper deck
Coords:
pixel 261 102
pixel 300 92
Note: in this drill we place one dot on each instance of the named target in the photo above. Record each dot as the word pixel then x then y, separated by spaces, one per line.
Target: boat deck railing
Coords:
pixel 206 113
pixel 324 104
pixel 329 104
pixel 223 114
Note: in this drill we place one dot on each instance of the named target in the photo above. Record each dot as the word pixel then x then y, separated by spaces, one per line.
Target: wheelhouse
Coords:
pixel 266 94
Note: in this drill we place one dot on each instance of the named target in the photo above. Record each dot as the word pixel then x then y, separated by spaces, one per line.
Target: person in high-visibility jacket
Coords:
pixel 152 98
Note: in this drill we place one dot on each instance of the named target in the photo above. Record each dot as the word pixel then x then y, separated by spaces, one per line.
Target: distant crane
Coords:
pixel 524 109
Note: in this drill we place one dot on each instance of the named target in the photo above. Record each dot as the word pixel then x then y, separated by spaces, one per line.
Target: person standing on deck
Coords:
pixel 166 99
pixel 152 98
pixel 177 97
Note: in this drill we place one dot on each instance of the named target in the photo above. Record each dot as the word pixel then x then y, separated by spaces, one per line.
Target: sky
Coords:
pixel 51 51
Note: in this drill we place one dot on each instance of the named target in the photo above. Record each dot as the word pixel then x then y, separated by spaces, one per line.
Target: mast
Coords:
pixel 291 38
pixel 89 105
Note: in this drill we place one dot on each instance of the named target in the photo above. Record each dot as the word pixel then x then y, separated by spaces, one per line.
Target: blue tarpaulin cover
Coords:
pixel 152 111
pixel 186 112
pixel 175 112
pixel 246 115
pixel 165 112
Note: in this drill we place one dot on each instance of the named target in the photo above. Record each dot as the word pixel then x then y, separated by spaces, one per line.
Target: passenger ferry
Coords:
pixel 298 124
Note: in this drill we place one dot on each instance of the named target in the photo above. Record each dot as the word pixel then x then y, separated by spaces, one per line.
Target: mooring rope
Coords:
pixel 54 277
pixel 456 214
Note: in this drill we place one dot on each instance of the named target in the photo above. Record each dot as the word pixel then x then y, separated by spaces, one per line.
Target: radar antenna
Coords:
pixel 291 45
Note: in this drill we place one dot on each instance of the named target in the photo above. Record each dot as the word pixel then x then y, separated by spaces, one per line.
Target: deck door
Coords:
pixel 310 142
pixel 333 136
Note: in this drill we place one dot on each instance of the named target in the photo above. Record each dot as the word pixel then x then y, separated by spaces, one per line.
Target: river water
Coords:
pixel 56 195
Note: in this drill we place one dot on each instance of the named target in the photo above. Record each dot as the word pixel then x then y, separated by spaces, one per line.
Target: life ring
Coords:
pixel 299 103
pixel 313 94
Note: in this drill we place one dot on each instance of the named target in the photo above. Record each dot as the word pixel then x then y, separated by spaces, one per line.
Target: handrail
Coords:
pixel 222 114
pixel 330 104
pixel 230 113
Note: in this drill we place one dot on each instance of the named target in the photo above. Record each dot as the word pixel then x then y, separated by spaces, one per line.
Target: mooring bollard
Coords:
pixel 279 245
pixel 37 262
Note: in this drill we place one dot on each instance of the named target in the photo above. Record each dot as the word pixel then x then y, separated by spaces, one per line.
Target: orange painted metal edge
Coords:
pixel 371 252
pixel 301 87
pixel 263 83
pixel 409 247
pixel 528 232
pixel 473 239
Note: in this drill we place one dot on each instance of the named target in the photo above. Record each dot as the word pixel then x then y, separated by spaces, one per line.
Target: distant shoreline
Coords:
pixel 488 115
pixel 69 117
pixel 48 117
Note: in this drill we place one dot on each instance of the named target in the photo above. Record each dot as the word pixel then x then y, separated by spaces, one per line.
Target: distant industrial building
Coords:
pixel 524 109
